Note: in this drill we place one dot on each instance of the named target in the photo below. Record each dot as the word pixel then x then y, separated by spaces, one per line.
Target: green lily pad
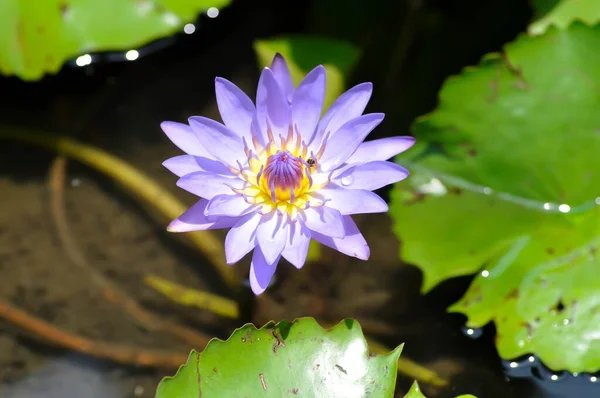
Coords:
pixel 563 13
pixel 506 183
pixel 38 36
pixel 415 392
pixel 299 358
pixel 303 53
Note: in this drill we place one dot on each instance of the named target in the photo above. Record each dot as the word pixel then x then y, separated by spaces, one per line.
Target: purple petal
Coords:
pixel 353 244
pixel 241 238
pixel 261 271
pixel 228 205
pixel 324 220
pixel 271 235
pixel 296 247
pixel 372 175
pixel 235 107
pixel 382 149
pixel 353 201
pixel 272 108
pixel 186 164
pixel 346 107
pixel 282 75
pixel 208 185
pixel 184 137
pixel 344 142
pixel 307 102
pixel 221 142
pixel 194 220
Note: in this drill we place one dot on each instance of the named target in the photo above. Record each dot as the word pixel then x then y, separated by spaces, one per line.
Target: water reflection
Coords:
pixel 71 376
pixel 551 384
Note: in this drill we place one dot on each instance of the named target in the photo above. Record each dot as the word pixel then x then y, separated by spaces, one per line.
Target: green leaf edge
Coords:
pixel 394 354
pixel 415 392
pixel 545 22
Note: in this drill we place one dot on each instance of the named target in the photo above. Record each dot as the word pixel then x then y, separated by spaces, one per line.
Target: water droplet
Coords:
pixel 564 208
pixel 514 365
pixel 347 180
pixel 487 191
pixel 593 379
pixel 212 12
pixel 485 273
pixel 84 60
pixel 473 333
pixel 566 322
pixel 189 28
pixel 598 200
pixel 546 206
pixel 132 55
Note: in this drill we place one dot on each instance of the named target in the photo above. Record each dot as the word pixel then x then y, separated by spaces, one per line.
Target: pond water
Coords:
pixel 118 107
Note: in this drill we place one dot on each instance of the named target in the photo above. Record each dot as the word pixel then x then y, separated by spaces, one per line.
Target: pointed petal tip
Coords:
pixel 378 115
pixel 174 226
pixel 364 256
pixel 167 125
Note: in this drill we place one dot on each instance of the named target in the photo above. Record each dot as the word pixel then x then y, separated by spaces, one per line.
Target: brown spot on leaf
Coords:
pixel 513 294
pixel 521 83
pixel 261 377
pixel 415 197
pixel 550 251
pixel 278 342
pixel 63 8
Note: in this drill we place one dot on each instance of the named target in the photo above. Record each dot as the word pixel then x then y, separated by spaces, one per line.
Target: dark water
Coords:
pixel 118 106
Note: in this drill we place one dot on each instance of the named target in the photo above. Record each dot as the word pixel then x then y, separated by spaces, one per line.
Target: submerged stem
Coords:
pixel 191 297
pixel 134 181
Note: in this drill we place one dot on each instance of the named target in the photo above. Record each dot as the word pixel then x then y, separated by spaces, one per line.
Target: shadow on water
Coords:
pixel 119 106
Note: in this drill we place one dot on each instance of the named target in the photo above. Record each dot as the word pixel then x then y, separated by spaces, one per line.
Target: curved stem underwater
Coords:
pixel 111 291
pixel 124 354
pixel 134 181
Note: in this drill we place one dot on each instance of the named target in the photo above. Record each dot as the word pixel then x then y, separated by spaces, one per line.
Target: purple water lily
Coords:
pixel 279 174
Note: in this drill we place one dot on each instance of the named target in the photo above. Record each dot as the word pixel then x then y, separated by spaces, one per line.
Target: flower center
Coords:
pixel 282 175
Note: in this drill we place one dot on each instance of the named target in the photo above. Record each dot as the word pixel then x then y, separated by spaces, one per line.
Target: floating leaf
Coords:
pixel 303 53
pixel 415 392
pixel 299 358
pixel 506 181
pixel 37 36
pixel 564 12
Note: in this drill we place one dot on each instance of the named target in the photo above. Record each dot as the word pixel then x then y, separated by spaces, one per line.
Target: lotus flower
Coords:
pixel 278 174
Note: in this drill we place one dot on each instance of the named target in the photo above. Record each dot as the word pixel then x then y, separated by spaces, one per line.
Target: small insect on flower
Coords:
pixel 278 174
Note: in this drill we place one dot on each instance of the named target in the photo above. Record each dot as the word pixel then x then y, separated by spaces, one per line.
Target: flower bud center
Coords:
pixel 283 171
